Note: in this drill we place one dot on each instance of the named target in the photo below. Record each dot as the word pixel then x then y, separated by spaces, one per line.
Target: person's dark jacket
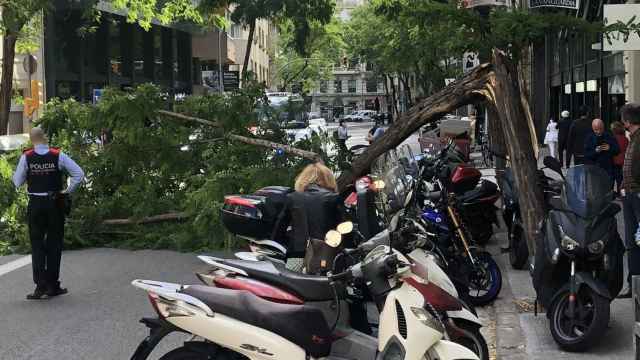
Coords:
pixel 578 133
pixel 311 214
pixel 563 133
pixel 603 159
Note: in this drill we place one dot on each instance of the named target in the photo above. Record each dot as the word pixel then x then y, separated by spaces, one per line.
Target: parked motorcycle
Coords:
pixel 578 267
pixel 239 324
pixel 517 248
pixel 463 325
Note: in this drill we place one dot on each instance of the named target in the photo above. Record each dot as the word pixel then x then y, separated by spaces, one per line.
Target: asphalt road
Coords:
pixel 98 319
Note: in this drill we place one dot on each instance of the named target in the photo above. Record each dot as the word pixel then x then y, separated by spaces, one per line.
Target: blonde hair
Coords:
pixel 316 174
pixel 617 128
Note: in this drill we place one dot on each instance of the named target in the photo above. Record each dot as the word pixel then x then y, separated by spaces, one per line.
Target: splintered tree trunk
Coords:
pixel 513 116
pixel 247 55
pixel 8 56
pixel 469 89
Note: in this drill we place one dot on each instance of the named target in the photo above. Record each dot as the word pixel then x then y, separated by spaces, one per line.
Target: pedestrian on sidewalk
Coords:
pixel 578 133
pixel 43 169
pixel 343 135
pixel 600 147
pixel 375 133
pixel 618 161
pixel 631 191
pixel 551 138
pixel 563 132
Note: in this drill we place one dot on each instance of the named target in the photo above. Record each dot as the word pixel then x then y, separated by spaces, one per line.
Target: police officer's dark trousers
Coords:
pixel 46 230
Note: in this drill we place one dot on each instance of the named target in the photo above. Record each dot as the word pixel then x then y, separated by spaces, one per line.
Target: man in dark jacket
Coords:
pixel 563 132
pixel 578 133
pixel 600 148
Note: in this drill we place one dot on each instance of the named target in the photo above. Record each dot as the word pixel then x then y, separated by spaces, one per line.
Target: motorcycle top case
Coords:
pixel 465 178
pixel 254 215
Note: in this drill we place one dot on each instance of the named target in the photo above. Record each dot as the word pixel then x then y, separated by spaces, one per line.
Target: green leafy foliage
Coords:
pixel 140 163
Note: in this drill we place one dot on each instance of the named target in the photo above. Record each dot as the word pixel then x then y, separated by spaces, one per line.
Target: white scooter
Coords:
pixel 236 324
pixel 264 267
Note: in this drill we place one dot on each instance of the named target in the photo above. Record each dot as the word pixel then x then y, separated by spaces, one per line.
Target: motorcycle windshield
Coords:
pixel 391 171
pixel 588 190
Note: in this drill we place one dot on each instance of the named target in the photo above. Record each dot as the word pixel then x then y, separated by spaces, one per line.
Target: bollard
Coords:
pixel 636 310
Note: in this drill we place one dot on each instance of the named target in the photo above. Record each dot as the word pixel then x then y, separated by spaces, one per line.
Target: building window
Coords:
pixel 338 85
pixel 323 86
pixel 369 66
pixel 372 85
pixel 352 86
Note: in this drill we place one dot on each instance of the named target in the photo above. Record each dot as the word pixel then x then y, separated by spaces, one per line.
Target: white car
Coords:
pixel 319 126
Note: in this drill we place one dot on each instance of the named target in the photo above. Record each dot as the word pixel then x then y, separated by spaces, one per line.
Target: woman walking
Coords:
pixel 551 138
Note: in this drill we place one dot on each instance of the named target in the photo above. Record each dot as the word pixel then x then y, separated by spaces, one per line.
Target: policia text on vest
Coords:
pixel 43 169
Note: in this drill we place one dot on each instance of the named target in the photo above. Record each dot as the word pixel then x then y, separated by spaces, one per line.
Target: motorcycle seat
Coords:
pixel 303 325
pixel 307 287
pixel 487 189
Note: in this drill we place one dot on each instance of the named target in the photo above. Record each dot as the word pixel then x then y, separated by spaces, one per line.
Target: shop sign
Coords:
pixel 624 13
pixel 211 79
pixel 569 4
pixel 231 80
pixel 469 61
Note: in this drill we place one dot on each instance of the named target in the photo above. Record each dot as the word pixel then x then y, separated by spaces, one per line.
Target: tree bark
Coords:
pixel 395 97
pixel 512 115
pixel 188 118
pixel 247 55
pixel 469 89
pixel 8 57
pixel 407 88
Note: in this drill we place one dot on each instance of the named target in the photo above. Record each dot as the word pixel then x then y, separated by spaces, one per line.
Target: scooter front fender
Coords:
pixel 451 351
pixel 464 314
pixel 587 279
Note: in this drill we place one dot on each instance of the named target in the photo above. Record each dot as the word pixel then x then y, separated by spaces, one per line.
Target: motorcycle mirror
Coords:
pixel 333 238
pixel 553 164
pixel 345 228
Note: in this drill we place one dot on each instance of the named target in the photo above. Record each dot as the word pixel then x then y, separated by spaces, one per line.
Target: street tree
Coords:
pixel 312 63
pixel 301 14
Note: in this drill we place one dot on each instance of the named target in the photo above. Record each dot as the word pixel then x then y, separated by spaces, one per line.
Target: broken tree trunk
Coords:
pixel 515 125
pixel 469 89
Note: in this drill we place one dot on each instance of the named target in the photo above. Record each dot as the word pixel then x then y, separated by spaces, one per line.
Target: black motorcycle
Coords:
pixel 517 246
pixel 578 262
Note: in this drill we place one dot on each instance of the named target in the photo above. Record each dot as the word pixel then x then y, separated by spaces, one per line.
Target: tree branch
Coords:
pixel 148 220
pixel 269 144
pixel 188 118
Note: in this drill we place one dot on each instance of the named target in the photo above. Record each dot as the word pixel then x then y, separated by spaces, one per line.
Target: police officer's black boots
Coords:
pixel 56 290
pixel 39 293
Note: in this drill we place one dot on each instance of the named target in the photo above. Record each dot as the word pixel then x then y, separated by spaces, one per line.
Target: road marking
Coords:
pixel 15 265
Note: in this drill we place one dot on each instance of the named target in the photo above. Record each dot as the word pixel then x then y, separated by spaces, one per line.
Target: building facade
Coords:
pixel 572 70
pixel 117 54
pixel 352 86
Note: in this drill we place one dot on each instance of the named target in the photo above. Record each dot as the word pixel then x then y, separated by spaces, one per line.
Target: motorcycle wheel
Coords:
pixel 471 338
pixel 518 251
pixel 485 280
pixel 190 353
pixel 578 335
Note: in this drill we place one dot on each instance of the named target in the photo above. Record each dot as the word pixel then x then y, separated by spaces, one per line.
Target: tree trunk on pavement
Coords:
pixel 247 55
pixel 513 116
pixel 395 97
pixel 8 57
pixel 469 89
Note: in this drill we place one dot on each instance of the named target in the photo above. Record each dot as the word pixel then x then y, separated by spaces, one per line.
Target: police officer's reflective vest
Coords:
pixel 43 171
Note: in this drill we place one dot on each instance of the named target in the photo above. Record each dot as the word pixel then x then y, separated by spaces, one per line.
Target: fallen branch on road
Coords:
pixel 247 140
pixel 148 220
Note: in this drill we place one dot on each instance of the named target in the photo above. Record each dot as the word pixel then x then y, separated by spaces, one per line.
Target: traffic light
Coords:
pixel 31 104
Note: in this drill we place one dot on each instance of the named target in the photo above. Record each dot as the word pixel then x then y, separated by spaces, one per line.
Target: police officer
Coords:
pixel 42 168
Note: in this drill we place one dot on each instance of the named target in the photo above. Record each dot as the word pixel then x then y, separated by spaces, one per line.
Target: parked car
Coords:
pixel 319 126
pixel 366 115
